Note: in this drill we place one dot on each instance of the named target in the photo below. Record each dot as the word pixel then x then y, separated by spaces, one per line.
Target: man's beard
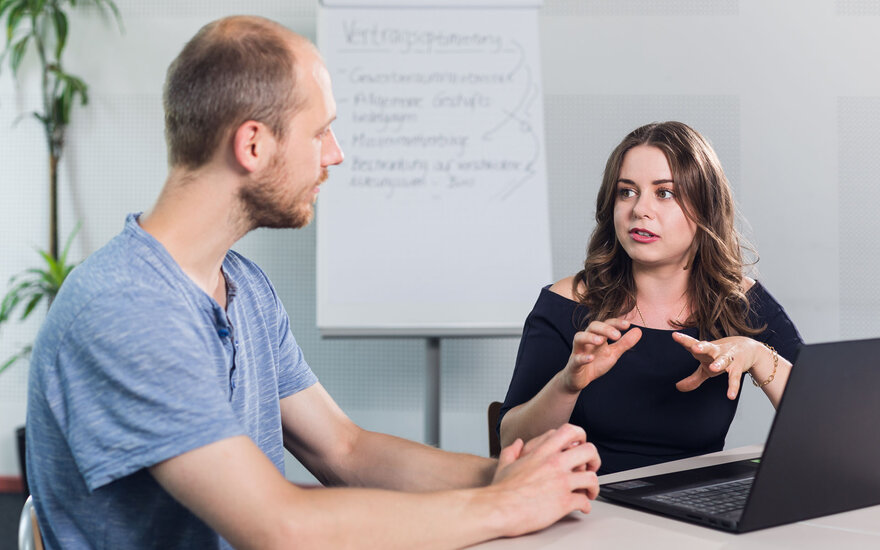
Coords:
pixel 266 204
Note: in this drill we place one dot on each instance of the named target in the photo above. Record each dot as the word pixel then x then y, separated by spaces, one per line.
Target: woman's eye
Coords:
pixel 626 192
pixel 665 194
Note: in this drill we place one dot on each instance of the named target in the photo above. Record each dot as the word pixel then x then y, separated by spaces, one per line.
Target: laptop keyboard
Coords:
pixel 717 498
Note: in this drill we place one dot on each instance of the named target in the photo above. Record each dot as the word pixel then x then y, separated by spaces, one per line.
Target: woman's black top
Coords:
pixel 634 414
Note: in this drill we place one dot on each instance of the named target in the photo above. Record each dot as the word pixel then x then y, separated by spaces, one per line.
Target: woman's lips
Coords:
pixel 643 235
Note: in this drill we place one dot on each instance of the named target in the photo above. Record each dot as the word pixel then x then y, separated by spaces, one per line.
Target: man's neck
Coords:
pixel 193 220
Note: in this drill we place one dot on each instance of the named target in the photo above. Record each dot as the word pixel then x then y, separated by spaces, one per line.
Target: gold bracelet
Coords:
pixel 775 364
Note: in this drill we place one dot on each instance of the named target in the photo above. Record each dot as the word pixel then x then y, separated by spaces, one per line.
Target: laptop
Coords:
pixel 822 455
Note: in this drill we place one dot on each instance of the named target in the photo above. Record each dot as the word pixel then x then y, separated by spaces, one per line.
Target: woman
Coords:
pixel 633 346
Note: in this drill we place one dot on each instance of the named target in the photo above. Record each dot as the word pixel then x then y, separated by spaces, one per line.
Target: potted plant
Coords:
pixel 42 26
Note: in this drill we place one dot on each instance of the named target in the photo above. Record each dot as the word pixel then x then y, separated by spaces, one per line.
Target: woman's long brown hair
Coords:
pixel 719 307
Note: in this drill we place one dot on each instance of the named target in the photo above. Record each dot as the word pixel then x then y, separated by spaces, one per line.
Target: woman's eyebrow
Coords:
pixel 655 182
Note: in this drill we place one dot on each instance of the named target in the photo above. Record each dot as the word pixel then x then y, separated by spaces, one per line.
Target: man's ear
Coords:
pixel 253 145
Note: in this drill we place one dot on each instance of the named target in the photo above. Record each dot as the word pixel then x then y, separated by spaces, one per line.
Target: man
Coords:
pixel 165 381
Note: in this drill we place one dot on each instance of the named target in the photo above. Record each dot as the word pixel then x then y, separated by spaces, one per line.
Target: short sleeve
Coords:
pixel 780 331
pixel 294 373
pixel 133 391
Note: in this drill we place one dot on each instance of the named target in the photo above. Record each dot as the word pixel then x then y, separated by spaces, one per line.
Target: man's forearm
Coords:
pixel 385 461
pixel 255 507
pixel 534 485
pixel 374 518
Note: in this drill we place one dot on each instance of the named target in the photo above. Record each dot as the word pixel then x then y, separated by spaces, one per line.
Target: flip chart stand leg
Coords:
pixel 432 393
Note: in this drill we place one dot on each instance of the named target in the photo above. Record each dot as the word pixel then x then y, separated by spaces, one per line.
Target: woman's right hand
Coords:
pixel 595 350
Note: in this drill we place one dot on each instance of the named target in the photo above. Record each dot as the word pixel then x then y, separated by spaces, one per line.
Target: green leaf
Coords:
pixel 22 354
pixel 9 362
pixel 71 87
pixel 32 285
pixel 57 269
pixel 66 249
pixel 61 108
pixel 60 21
pixel 15 17
pixel 77 86
pixel 31 305
pixel 47 280
pixel 51 262
pixel 32 270
pixel 14 297
pixel 21 289
pixel 40 117
pixel 104 4
pixel 10 301
pixel 7 4
pixel 18 51
pixel 39 273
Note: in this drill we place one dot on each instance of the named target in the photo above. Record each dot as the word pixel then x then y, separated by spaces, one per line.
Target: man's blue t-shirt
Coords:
pixel 136 364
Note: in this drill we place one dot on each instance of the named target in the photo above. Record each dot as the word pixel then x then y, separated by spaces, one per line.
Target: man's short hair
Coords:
pixel 233 70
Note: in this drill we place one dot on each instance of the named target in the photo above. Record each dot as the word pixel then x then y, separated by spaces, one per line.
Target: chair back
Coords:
pixel 28 531
pixel 494 442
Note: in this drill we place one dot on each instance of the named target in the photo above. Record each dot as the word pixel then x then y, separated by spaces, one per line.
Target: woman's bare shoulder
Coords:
pixel 564 288
pixel 747 283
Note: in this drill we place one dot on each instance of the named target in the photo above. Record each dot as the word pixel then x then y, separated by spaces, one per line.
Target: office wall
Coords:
pixel 787 91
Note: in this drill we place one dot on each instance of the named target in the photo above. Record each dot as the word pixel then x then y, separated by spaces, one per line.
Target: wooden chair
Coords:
pixel 494 442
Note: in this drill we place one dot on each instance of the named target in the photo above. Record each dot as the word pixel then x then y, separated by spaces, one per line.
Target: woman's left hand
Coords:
pixel 734 355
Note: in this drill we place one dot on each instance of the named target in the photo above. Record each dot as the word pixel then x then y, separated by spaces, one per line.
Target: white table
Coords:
pixel 610 526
